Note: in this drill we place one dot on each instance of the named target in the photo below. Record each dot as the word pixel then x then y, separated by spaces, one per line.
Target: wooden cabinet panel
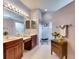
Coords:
pixel 28 45
pixel 34 40
pixel 60 48
pixel 10 53
pixel 13 49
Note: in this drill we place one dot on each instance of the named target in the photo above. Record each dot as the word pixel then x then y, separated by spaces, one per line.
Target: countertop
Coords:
pixel 25 38
pixel 12 38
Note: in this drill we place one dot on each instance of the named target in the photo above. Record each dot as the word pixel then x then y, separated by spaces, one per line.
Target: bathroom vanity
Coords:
pixel 60 48
pixel 13 48
pixel 30 42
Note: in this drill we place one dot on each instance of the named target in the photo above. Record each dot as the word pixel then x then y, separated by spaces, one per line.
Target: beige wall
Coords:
pixel 9 25
pixel 66 15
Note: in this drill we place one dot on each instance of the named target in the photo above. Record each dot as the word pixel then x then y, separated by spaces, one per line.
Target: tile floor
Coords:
pixel 41 52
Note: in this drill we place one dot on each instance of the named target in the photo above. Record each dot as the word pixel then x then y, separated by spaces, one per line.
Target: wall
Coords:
pixel 66 15
pixel 9 25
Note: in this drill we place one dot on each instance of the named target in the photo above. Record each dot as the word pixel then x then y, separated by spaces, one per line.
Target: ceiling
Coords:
pixel 50 5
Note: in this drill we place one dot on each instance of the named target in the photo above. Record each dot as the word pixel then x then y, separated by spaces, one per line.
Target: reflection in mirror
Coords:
pixel 19 27
pixel 27 24
pixel 33 24
pixel 9 22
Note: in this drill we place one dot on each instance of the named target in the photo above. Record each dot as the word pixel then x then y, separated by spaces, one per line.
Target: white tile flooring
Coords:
pixel 42 52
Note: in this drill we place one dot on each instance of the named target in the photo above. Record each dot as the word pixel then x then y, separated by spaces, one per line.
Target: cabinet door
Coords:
pixel 33 43
pixel 18 51
pixel 34 40
pixel 10 53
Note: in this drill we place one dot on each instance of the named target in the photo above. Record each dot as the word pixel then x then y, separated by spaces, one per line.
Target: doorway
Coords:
pixel 45 33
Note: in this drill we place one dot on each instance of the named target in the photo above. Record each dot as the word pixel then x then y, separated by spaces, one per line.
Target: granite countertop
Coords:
pixel 11 38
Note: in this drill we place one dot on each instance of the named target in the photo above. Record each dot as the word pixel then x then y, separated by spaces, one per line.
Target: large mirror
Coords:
pixel 13 23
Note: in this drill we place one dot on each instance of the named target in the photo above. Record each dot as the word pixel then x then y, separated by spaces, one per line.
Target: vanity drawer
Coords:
pixel 60 48
pixel 13 43
pixel 57 46
pixel 57 51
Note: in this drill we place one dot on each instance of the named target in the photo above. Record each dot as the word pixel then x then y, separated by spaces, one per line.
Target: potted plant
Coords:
pixel 56 34
pixel 5 34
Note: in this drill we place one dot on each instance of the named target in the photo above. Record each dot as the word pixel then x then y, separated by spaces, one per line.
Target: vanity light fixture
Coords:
pixel 9 5
pixel 14 8
pixel 45 9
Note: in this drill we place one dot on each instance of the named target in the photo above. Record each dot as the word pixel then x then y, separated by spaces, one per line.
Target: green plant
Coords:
pixel 56 34
pixel 5 33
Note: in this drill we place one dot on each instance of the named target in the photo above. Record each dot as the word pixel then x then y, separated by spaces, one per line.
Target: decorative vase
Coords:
pixel 54 37
pixel 61 40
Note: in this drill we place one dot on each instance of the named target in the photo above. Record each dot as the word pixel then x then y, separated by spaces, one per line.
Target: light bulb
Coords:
pixel 45 9
pixel 8 5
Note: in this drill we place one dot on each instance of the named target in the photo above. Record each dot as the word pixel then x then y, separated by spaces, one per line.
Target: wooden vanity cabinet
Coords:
pixel 27 44
pixel 30 43
pixel 60 48
pixel 34 40
pixel 13 49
